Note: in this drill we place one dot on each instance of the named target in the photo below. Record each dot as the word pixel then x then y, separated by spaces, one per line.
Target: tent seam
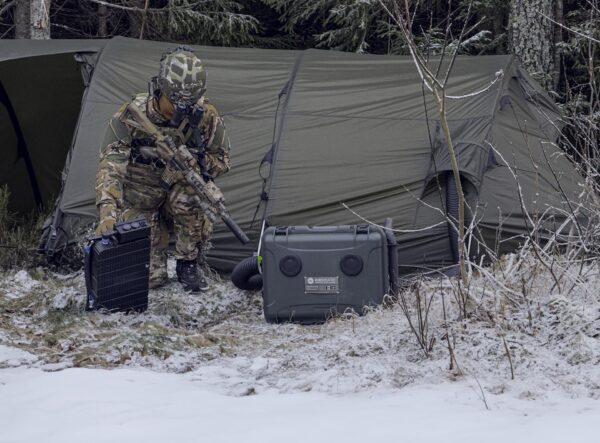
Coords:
pixel 501 90
pixel 348 117
pixel 289 86
pixel 57 216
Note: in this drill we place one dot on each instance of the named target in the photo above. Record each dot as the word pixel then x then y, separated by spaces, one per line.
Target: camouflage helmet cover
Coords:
pixel 182 77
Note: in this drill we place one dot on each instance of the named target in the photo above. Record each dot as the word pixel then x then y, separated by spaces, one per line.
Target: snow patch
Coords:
pixel 127 405
pixel 13 357
pixel 67 298
pixel 221 337
pixel 18 285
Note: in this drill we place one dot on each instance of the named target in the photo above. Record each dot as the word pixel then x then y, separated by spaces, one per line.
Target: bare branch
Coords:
pixel 7 32
pixel 404 231
pixel 568 29
pixel 499 75
pixel 154 10
pixel 144 17
pixel 7 6
pixel 460 39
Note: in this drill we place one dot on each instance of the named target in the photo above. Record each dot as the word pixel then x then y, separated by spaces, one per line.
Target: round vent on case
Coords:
pixel 351 265
pixel 290 265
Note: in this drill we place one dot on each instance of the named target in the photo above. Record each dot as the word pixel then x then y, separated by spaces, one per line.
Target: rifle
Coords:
pixel 182 164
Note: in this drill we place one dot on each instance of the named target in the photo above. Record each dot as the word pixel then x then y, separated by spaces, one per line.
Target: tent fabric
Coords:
pixel 347 128
pixel 17 49
pixel 244 85
pixel 40 99
pixel 364 132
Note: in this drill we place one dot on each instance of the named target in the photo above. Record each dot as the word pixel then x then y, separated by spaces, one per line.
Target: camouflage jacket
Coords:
pixel 131 145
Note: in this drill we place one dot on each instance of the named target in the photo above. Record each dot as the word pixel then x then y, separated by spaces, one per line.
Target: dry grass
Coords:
pixel 19 236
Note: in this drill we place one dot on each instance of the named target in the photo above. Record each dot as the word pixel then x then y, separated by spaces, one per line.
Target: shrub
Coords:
pixel 19 236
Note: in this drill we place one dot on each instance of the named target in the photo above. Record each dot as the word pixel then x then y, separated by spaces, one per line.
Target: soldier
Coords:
pixel 128 182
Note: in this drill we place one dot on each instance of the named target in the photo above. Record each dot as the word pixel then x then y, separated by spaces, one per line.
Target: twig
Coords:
pixel 154 10
pixel 528 219
pixel 144 15
pixel 499 74
pixel 392 229
pixel 453 362
pixel 7 32
pixel 421 330
pixel 567 28
pixel 482 393
pixel 512 371
pixel 7 7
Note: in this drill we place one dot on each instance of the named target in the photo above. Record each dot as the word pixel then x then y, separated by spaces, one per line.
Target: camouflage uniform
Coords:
pixel 128 182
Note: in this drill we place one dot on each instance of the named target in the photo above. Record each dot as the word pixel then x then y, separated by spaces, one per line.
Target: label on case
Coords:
pixel 322 285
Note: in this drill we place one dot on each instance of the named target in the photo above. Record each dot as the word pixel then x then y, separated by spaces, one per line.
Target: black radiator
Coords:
pixel 117 268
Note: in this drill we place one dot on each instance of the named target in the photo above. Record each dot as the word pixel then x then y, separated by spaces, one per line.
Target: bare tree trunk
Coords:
pixel 144 18
pixel 558 39
pixel 22 19
pixel 40 19
pixel 170 30
pixel 135 18
pixel 102 13
pixel 531 37
pixel 437 85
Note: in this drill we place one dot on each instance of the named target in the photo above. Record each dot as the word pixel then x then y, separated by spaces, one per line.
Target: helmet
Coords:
pixel 182 77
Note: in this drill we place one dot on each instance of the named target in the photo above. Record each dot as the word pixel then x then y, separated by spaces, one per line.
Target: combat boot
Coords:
pixel 190 276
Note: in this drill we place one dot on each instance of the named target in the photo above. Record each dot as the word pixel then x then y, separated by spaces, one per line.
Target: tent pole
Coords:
pixel 22 146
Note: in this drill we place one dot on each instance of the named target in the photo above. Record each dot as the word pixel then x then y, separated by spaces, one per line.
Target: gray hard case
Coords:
pixel 327 282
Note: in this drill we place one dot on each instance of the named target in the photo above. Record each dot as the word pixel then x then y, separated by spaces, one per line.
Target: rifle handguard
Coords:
pixel 169 177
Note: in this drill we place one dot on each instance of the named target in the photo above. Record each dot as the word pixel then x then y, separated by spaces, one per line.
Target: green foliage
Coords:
pixel 364 26
pixel 212 22
pixel 490 16
pixel 345 25
pixel 352 22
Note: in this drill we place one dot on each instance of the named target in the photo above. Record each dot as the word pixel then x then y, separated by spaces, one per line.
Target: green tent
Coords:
pixel 310 130
pixel 41 89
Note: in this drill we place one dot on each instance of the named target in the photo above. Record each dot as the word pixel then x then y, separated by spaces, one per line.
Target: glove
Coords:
pixel 107 218
pixel 105 225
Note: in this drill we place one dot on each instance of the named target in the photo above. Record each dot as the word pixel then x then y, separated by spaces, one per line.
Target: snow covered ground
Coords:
pixel 125 405
pixel 208 368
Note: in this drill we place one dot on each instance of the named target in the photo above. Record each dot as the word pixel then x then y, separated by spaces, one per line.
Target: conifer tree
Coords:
pixel 21 19
pixel 40 19
pixel 345 25
pixel 218 22
pixel 532 37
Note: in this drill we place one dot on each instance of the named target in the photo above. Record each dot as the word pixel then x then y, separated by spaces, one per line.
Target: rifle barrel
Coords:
pixel 235 229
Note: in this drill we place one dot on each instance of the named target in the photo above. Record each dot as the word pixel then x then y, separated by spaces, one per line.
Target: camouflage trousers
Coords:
pixel 174 210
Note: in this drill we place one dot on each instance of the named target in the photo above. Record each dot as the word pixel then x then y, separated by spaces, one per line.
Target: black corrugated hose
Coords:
pixel 452 210
pixel 246 276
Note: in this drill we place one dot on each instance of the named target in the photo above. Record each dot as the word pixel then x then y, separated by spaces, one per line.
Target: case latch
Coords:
pixel 362 229
pixel 281 230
